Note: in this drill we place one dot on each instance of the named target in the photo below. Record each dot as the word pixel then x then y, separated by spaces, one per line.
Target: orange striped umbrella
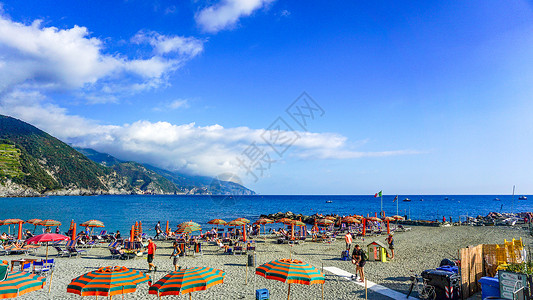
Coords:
pixel 284 220
pixel 33 221
pixel 291 271
pixel 49 223
pixel 243 220
pixel 12 221
pixel 92 223
pixel 398 217
pixel 374 219
pixel 325 221
pixel 20 283
pixel 107 281
pixel 350 220
pixel 217 222
pixel 187 281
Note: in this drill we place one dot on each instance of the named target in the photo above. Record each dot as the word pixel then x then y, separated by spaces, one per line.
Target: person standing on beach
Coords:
pixel 390 241
pixel 151 252
pixel 348 239
pixel 358 258
pixel 157 229
pixel 175 254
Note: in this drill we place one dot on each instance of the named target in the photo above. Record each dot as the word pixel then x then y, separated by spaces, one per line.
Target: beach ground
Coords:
pixel 419 249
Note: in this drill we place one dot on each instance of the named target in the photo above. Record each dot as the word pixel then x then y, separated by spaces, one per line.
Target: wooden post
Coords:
pixel 366 291
pixel 289 292
pixel 50 283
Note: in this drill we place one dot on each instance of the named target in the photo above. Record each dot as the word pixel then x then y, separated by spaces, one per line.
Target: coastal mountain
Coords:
pixel 34 163
pixel 185 183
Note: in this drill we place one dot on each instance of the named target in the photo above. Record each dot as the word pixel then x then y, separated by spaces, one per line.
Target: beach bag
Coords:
pixel 345 255
pixel 364 255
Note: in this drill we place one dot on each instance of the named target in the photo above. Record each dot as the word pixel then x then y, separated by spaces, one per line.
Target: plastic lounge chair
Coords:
pixel 4 251
pixel 115 253
pixel 41 267
pixel 61 251
pixel 237 249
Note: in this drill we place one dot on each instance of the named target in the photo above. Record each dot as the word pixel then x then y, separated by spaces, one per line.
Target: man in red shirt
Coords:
pixel 151 251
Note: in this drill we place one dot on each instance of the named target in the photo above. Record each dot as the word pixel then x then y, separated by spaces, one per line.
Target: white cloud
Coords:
pixel 172 105
pixel 226 13
pixel 44 58
pixel 204 150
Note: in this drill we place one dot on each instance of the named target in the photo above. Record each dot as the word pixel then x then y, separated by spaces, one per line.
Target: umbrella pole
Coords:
pixel 322 291
pixel 50 283
pixel 46 252
pixel 246 282
pixel 190 296
pixel 289 292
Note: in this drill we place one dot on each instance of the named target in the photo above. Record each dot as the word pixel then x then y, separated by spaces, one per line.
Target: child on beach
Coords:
pixel 390 241
pixel 358 258
pixel 176 254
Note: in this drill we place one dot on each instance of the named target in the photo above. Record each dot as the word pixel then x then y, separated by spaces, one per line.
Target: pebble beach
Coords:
pixel 418 249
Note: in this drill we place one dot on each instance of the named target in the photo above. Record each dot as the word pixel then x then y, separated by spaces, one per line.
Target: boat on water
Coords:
pixel 329 201
pixel 421 199
pixel 445 198
pixel 496 199
pixel 522 198
pixel 406 200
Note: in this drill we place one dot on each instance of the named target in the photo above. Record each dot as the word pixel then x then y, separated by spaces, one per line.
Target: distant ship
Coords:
pixel 445 198
pixel 496 199
pixel 421 199
pixel 522 198
pixel 329 201
pixel 406 200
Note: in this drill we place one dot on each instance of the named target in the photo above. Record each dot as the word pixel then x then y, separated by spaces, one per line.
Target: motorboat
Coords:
pixel 522 198
pixel 406 200
pixel 496 199
pixel 329 201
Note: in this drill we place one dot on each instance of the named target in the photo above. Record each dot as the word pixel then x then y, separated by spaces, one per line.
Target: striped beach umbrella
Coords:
pixel 374 219
pixel 20 283
pixel 48 223
pixel 187 281
pixel 236 223
pixel 188 227
pixel 398 217
pixel 92 223
pixel 12 221
pixel 217 222
pixel 284 220
pixel 350 220
pixel 291 271
pixel 107 281
pixel 263 221
pixel 33 221
pixel 324 221
pixel 243 220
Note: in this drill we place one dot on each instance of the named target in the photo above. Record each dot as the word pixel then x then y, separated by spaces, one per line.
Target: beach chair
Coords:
pixel 250 248
pixel 61 251
pixel 237 249
pixel 71 248
pixel 198 249
pixel 3 272
pixel 115 253
pixel 4 251
pixel 40 267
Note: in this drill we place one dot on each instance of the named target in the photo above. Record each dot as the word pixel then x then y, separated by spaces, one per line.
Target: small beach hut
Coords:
pixel 377 251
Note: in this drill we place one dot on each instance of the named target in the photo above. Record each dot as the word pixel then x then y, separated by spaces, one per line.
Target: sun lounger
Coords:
pixel 61 251
pixel 237 249
pixel 39 267
pixel 115 253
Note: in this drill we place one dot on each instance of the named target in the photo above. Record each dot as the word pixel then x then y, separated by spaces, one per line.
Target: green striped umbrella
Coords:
pixel 217 222
pixel 92 223
pixel 107 281
pixel 49 223
pixel 188 227
pixel 12 221
pixel 20 283
pixel 187 281
pixel 243 220
pixel 291 271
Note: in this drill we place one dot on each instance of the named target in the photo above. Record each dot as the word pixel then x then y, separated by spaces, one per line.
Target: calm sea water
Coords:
pixel 120 212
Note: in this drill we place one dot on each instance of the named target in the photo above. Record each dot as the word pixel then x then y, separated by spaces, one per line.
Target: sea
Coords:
pixel 119 212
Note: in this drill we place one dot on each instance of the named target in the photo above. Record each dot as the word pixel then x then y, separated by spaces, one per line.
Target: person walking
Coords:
pixel 151 252
pixel 390 241
pixel 359 259
pixel 157 229
pixel 176 254
pixel 348 240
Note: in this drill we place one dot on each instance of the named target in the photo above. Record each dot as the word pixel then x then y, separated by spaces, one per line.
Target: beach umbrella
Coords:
pixel 188 227
pixel 92 223
pixel 239 222
pixel 374 219
pixel 107 281
pixel 45 238
pixel 291 271
pixel 398 217
pixel 187 281
pixel 217 222
pixel 350 220
pixel 331 218
pixel 324 221
pixel 263 221
pixel 284 220
pixel 244 220
pixel 20 283
pixel 33 222
pixel 48 223
pixel 9 222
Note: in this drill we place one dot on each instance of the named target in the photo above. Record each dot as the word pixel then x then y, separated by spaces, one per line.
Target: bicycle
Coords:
pixel 425 291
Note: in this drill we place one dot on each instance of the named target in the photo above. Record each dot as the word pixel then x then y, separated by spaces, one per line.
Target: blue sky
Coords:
pixel 418 97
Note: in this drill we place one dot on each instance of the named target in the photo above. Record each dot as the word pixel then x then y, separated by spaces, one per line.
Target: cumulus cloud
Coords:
pixel 226 13
pixel 48 58
pixel 204 150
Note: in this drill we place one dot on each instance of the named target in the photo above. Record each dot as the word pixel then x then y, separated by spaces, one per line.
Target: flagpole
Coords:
pixel 397 205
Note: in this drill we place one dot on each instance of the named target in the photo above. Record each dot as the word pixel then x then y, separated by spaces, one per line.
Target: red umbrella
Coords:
pixel 46 237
